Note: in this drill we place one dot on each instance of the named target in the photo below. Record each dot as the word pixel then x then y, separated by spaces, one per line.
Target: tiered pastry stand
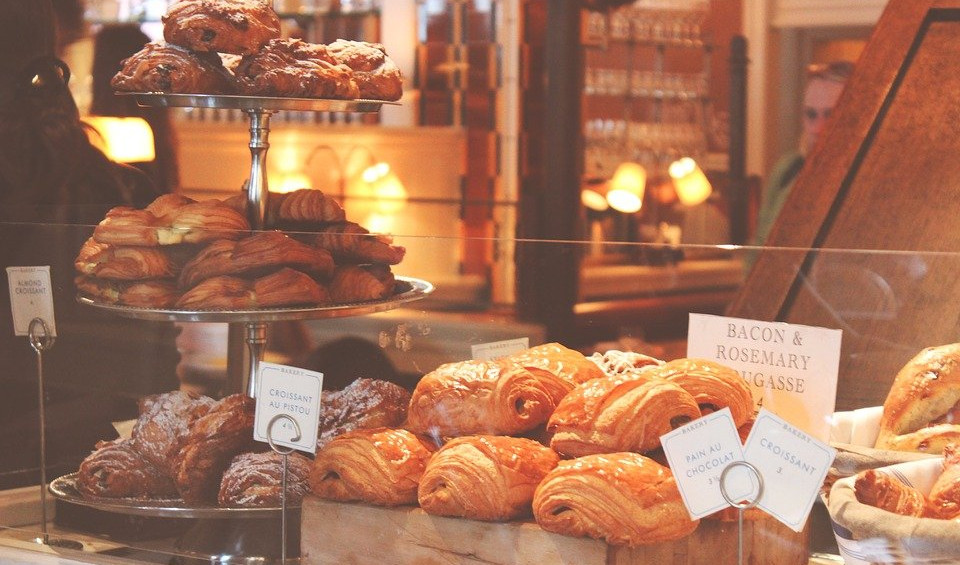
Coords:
pixel 259 110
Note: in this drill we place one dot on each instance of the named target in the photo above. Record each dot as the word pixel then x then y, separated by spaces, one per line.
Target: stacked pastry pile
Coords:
pixel 179 253
pixel 192 447
pixel 598 421
pixel 234 47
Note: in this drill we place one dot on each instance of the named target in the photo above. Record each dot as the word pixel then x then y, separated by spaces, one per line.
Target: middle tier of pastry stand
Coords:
pixel 259 109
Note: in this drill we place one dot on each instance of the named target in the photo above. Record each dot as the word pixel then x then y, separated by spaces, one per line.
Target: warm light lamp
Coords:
pixel 593 197
pixel 626 188
pixel 385 188
pixel 692 185
pixel 125 140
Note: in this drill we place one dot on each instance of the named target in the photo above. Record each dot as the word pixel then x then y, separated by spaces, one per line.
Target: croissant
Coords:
pixel 622 498
pixel 123 225
pixel 286 287
pixel 714 386
pixel 164 424
pixel 291 67
pixel 156 293
pixel 117 470
pixel 213 441
pixel 377 465
pixel 228 26
pixel 943 501
pixel 354 283
pixel 124 263
pixel 305 205
pixel 255 479
pixel 887 493
pixel 203 221
pixel 484 477
pixel 554 362
pixel 350 243
pixel 364 403
pixel 165 67
pixel 376 75
pixel 479 397
pixel 619 413
pixel 223 292
pixel 922 409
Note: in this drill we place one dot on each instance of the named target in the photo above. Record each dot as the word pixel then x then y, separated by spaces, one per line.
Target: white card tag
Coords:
pixel 294 393
pixel 497 349
pixel 792 369
pixel 793 466
pixel 698 453
pixel 31 296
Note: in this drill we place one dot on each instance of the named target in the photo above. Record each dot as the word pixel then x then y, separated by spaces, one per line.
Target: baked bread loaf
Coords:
pixel 359 283
pixel 164 67
pixel 380 466
pixel 155 293
pixel 255 479
pixel 484 477
pixel 714 386
pixel 295 68
pixel 214 439
pixel 376 75
pixel 229 26
pixel 117 470
pixel 350 243
pixel 622 498
pixel 163 426
pixel 943 500
pixel 921 411
pixel 887 493
pixel 363 404
pixel 619 413
pixel 479 397
pixel 254 255
pixel 285 287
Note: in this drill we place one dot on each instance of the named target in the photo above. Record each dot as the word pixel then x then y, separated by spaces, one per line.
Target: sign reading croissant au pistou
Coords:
pixel 791 368
pixel 291 396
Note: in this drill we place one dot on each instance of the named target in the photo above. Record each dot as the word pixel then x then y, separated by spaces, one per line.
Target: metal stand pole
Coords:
pixel 285 451
pixel 741 505
pixel 256 344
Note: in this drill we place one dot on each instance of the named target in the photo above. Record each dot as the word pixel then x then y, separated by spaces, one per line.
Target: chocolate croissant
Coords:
pixel 380 466
pixel 922 409
pixel 714 386
pixel 943 501
pixel 479 397
pixel 553 361
pixel 256 479
pixel 619 413
pixel 117 470
pixel 169 68
pixel 622 498
pixel 484 477
pixel 227 26
pixel 887 493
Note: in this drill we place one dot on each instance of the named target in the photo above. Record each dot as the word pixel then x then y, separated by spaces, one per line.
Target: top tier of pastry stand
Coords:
pixel 259 109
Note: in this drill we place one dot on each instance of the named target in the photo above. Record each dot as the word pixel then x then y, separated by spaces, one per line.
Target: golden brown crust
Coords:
pixel 377 76
pixel 943 501
pixel 364 403
pixel 117 470
pixel 215 293
pixel 553 361
pixel 123 225
pixel 163 426
pixel 479 397
pixel 162 67
pixel 350 243
pixel 154 293
pixel 619 413
pixel 616 362
pixel 305 205
pixel 212 443
pixel 295 68
pixel 714 386
pixel 484 477
pixel 380 466
pixel 117 262
pixel 259 253
pixel 355 283
pixel 228 26
pixel 190 222
pixel 887 493
pixel 922 409
pixel 255 479
pixel 622 498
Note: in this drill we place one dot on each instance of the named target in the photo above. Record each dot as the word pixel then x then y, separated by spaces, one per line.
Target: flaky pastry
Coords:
pixel 714 386
pixel 229 26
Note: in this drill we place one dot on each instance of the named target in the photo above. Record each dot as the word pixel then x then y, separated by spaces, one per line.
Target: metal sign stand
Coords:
pixel 41 340
pixel 285 451
pixel 740 505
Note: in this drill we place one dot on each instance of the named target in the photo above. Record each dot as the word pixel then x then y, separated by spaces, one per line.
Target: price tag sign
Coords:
pixel 792 369
pixel 698 453
pixel 295 393
pixel 793 465
pixel 31 296
pixel 497 349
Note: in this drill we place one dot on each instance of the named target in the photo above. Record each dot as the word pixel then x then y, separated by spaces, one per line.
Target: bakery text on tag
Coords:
pixel 33 286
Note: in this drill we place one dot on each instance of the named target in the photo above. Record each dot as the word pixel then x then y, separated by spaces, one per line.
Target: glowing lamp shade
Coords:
pixel 385 188
pixel 125 140
pixel 626 188
pixel 594 199
pixel 692 185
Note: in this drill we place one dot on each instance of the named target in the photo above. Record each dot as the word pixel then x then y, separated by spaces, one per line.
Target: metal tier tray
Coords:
pixel 255 103
pixel 407 290
pixel 65 488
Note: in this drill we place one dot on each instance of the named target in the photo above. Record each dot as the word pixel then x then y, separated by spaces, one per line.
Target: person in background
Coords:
pixel 111 45
pixel 825 82
pixel 54 186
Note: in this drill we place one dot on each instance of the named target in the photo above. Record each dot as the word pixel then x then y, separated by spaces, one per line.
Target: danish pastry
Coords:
pixel 295 68
pixel 484 477
pixel 228 26
pixel 922 409
pixel 255 479
pixel 163 67
pixel 364 403
pixel 887 493
pixel 117 470
pixel 619 413
pixel 622 498
pixel 714 386
pixel 380 466
pixel 377 76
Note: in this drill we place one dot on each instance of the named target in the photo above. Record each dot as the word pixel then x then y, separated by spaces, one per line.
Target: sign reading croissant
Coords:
pixel 189 255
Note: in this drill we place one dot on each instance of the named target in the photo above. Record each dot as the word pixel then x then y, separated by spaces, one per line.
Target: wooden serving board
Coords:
pixel 360 534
